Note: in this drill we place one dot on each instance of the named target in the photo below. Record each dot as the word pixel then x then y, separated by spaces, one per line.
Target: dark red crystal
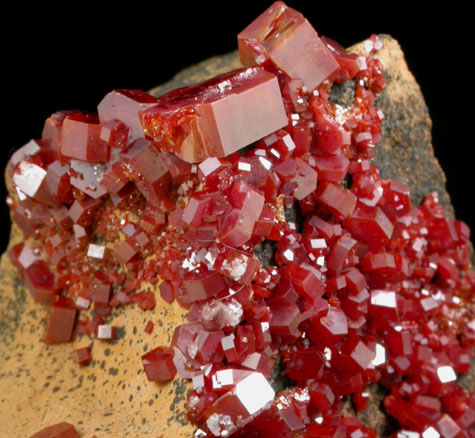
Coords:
pixel 217 117
pixel 81 356
pixel 60 322
pixel 158 364
pixel 60 430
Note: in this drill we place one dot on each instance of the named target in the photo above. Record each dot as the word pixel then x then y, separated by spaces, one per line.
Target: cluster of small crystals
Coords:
pixel 367 289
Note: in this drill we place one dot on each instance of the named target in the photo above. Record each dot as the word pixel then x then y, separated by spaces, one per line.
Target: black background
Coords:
pixel 69 55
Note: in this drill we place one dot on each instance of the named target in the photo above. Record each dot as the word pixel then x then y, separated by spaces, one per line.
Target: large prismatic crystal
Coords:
pixel 217 117
pixel 284 36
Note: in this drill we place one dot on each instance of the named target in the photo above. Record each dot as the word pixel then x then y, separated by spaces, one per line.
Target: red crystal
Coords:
pixel 328 330
pixel 321 396
pixel 145 300
pixel 355 356
pixel 81 356
pixel 238 407
pixel 284 36
pixel 60 323
pixel 238 266
pixel 331 138
pixel 114 178
pixel 447 427
pixel 200 286
pixel 306 282
pixel 285 320
pixel 58 182
pixel 259 362
pixel 81 138
pixel 124 251
pixel 339 202
pixel 40 281
pixel 370 226
pixel 60 430
pixel 339 253
pixel 81 212
pixel 217 117
pixel 331 168
pixel 396 201
pixel 148 170
pixel 206 347
pixel 237 226
pixel 115 133
pixel 305 178
pixel 33 147
pixel 149 327
pixel 158 364
pixel 30 179
pixel 305 364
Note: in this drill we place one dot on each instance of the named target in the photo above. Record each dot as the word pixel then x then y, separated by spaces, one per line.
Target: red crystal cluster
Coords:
pixel 366 289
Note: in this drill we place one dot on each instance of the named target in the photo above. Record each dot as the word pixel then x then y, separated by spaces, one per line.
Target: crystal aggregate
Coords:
pixel 366 289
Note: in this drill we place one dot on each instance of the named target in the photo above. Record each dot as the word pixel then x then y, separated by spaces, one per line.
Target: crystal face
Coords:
pixel 362 287
pixel 254 392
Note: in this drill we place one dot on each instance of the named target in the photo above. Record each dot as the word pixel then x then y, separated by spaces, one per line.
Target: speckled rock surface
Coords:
pixel 111 397
pixel 39 385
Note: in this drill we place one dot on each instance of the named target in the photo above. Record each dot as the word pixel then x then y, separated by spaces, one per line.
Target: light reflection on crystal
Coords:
pixel 383 298
pixel 380 357
pixel 430 432
pixel 96 251
pixel 446 374
pixel 254 392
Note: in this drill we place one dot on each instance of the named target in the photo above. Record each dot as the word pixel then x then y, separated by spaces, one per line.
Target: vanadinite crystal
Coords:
pixel 218 117
pixel 60 430
pixel 365 287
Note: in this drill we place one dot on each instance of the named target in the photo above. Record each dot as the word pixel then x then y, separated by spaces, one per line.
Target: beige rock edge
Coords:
pixel 40 386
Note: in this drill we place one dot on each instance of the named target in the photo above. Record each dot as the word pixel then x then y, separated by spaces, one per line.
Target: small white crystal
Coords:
pixel 104 332
pixel 220 425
